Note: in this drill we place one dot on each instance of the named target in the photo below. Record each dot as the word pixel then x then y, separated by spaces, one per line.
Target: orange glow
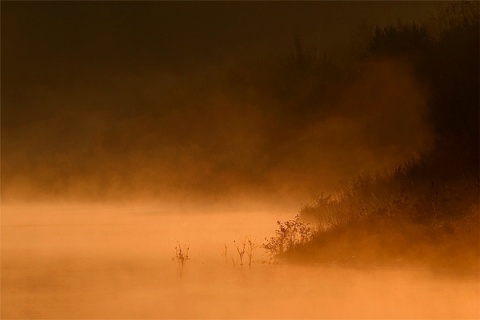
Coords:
pixel 115 262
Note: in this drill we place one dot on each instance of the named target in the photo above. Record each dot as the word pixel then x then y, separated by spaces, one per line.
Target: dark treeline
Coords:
pixel 450 67
pixel 77 125
pixel 134 114
pixel 426 211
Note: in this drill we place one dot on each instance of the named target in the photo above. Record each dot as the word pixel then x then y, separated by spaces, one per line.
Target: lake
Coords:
pixel 96 261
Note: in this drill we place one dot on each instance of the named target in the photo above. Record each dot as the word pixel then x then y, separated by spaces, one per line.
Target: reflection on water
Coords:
pixel 94 262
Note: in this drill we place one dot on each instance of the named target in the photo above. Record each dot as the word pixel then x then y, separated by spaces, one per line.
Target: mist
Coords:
pixel 245 128
pixel 91 261
pixel 239 160
pixel 98 123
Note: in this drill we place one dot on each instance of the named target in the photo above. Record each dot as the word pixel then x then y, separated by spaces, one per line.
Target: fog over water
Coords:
pixel 115 262
pixel 129 129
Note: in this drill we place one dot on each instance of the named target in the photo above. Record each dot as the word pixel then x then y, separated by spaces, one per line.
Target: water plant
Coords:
pixel 250 250
pixel 181 256
pixel 241 251
pixel 247 246
pixel 225 252
pixel 289 235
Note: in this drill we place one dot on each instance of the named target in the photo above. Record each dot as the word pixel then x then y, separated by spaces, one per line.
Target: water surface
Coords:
pixel 116 262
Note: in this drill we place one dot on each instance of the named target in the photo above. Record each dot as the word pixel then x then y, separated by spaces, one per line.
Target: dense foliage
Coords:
pixel 425 212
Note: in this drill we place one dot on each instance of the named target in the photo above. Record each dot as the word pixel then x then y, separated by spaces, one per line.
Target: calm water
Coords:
pixel 116 262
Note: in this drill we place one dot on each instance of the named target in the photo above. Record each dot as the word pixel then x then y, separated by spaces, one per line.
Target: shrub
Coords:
pixel 289 235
